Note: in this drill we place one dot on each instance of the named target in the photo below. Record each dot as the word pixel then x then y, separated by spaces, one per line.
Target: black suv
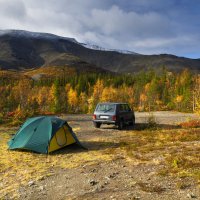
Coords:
pixel 118 114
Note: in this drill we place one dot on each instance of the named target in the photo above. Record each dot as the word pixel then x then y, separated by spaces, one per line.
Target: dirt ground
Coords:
pixel 115 174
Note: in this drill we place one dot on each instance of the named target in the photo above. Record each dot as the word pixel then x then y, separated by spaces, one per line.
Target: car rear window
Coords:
pixel 106 108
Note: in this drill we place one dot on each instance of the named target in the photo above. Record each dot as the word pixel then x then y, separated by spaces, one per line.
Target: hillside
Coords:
pixel 25 50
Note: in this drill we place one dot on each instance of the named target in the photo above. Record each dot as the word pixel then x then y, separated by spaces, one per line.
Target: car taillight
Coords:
pixel 114 118
pixel 94 116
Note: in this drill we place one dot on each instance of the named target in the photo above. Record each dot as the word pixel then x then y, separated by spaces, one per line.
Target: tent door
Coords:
pixel 61 137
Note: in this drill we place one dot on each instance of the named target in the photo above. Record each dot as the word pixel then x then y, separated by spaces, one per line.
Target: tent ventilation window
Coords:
pixel 59 138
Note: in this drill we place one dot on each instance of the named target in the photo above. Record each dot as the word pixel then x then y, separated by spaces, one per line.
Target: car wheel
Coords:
pixel 121 124
pixel 132 122
pixel 97 124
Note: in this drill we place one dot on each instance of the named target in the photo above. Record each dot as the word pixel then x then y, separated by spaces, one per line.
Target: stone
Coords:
pixel 136 198
pixel 41 188
pixel 30 183
pixel 102 186
pixel 93 182
pixel 93 170
pixel 106 183
pixel 191 196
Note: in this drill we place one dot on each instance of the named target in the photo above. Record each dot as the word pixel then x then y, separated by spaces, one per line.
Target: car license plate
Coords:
pixel 104 117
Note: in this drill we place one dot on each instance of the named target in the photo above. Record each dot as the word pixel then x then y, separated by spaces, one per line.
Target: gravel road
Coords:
pixel 160 117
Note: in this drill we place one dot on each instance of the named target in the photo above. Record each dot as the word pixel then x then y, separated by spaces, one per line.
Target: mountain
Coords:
pixel 21 50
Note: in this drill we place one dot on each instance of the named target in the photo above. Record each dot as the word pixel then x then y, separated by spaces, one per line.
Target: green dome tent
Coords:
pixel 43 134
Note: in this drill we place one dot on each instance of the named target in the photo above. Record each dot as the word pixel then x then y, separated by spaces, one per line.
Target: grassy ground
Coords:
pixel 175 150
pixel 17 168
pixel 178 150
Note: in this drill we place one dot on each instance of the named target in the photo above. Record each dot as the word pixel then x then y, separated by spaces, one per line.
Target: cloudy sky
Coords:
pixel 143 26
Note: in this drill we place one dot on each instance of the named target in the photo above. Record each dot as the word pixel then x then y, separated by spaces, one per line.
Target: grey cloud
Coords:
pixel 117 21
pixel 13 9
pixel 140 25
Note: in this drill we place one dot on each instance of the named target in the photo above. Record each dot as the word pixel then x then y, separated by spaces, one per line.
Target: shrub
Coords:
pixel 151 121
pixel 190 124
pixel 1 118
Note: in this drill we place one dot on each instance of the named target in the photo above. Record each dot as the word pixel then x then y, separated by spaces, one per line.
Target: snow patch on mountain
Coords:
pixel 28 34
pixel 96 47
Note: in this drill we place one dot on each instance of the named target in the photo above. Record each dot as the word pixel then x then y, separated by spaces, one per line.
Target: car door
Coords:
pixel 129 113
pixel 121 113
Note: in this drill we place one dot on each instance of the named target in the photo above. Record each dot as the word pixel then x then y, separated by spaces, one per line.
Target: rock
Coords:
pixel 191 196
pixel 83 166
pixel 44 193
pixel 106 183
pixel 30 183
pixel 129 194
pixel 136 197
pixel 42 178
pixel 96 188
pixel 102 186
pixel 93 182
pixel 113 175
pixel 93 170
pixel 41 188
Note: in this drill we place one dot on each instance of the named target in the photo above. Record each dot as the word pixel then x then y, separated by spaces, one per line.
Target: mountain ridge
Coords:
pixel 21 49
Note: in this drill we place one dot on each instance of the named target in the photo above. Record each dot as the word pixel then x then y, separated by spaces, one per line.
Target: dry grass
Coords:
pixel 44 72
pixel 17 168
pixel 150 188
pixel 8 74
pixel 51 71
pixel 177 150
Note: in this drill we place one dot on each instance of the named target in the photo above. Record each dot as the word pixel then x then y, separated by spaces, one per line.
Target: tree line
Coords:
pixel 144 91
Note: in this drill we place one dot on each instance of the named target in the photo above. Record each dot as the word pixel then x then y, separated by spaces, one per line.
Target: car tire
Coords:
pixel 121 124
pixel 97 124
pixel 132 122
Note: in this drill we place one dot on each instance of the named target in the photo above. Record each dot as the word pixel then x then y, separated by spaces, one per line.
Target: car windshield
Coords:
pixel 106 108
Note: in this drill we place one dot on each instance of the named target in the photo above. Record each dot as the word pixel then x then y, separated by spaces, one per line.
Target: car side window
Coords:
pixel 121 108
pixel 124 107
pixel 128 108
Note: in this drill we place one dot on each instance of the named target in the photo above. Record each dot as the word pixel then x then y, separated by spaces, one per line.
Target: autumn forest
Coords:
pixel 79 93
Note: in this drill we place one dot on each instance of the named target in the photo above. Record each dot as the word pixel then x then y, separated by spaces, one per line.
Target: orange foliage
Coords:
pixel 109 94
pixel 191 124
pixel 72 100
pixel 143 97
pixel 179 98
